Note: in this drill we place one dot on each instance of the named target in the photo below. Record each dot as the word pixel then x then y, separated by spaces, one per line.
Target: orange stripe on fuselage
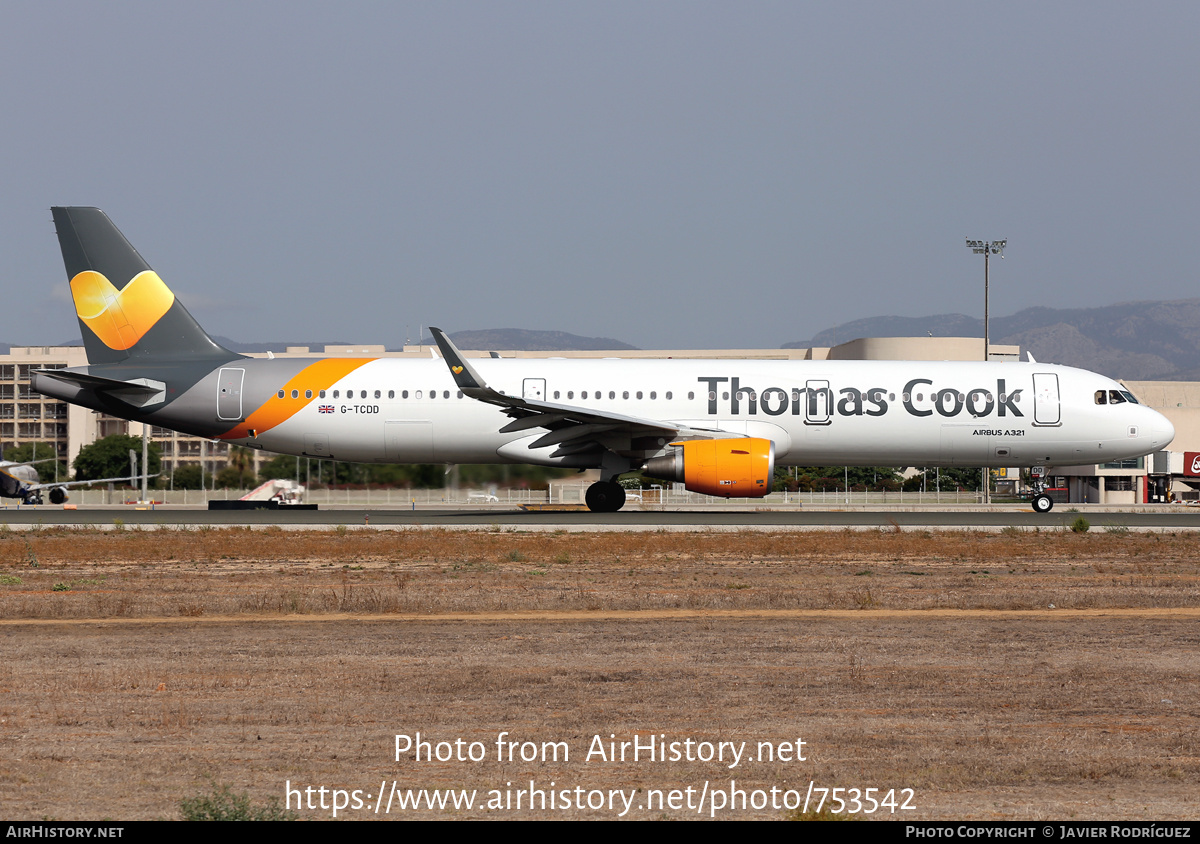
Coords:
pixel 316 377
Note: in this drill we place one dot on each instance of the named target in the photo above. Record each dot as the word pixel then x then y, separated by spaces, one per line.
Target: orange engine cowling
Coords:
pixel 741 467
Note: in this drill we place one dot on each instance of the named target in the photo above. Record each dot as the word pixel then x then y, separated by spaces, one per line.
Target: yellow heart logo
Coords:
pixel 120 317
pixel 457 370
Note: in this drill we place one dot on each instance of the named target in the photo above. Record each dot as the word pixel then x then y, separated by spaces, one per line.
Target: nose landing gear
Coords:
pixel 1042 503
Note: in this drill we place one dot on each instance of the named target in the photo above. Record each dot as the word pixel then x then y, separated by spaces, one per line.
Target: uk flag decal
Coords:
pixel 325 408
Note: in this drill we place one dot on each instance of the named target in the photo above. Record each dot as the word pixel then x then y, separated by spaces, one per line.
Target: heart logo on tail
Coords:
pixel 120 318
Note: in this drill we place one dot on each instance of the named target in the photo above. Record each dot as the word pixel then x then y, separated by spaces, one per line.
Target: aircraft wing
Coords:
pixel 52 484
pixel 569 427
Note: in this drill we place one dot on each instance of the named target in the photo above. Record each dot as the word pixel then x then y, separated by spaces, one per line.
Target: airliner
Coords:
pixel 21 481
pixel 717 427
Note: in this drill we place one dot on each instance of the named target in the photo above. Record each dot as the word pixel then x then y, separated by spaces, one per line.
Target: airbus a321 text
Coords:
pixel 718 427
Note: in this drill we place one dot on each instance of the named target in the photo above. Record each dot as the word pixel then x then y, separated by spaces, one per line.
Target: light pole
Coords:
pixel 987 249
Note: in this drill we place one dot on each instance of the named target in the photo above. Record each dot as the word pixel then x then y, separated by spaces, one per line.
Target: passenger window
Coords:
pixel 296 395
pixel 625 395
pixel 308 395
pixel 335 393
pixel 712 396
pixel 653 395
pixel 281 396
pixel 391 394
pixel 612 394
pixel 639 394
pixel 460 394
pixel 417 394
pixel 379 395
pixel 404 394
pixel 725 396
pixel 322 394
pixel 445 394
pixel 570 394
pixel 556 396
pixel 363 394
pixel 668 395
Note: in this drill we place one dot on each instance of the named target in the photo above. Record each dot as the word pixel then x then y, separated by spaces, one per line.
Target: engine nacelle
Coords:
pixel 741 467
pixel 58 495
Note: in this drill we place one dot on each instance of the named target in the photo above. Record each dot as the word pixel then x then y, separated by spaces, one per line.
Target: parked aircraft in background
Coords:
pixel 718 427
pixel 20 480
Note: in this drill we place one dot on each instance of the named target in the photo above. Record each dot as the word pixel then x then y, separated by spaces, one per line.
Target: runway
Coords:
pixel 515 519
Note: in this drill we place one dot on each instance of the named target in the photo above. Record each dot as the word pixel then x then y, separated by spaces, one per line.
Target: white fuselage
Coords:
pixel 816 412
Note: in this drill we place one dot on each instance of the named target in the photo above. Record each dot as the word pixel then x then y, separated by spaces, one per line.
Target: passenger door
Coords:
pixel 1047 409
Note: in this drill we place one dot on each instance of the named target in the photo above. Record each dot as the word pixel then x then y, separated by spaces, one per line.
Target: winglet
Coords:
pixel 465 376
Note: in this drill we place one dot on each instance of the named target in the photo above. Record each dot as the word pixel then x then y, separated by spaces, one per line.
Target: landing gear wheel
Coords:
pixel 605 497
pixel 1042 503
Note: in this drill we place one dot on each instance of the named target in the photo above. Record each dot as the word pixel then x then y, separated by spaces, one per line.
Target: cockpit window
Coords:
pixel 1115 397
pixel 1102 397
pixel 1129 397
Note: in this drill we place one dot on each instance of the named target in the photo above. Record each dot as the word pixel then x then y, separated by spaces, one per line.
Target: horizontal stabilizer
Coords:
pixel 139 392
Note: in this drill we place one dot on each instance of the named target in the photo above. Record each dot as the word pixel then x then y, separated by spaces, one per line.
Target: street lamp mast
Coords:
pixel 987 249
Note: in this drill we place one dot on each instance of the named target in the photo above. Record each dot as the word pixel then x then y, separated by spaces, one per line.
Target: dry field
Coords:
pixel 1017 675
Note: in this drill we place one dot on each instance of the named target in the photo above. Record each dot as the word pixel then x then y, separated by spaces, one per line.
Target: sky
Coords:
pixel 670 174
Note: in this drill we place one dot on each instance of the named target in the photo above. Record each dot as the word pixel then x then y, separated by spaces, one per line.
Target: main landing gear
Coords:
pixel 605 497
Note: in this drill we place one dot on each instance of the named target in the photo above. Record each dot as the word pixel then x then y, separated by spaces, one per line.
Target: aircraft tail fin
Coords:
pixel 125 310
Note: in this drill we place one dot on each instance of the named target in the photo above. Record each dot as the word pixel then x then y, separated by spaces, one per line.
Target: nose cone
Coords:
pixel 1164 431
pixel 1154 429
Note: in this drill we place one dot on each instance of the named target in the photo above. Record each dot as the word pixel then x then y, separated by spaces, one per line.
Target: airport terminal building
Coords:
pixel 27 416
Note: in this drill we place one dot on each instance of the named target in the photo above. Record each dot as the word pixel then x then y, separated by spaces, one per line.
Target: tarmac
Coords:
pixel 975 517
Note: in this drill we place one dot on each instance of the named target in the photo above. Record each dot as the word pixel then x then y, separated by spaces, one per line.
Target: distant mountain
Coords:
pixel 530 341
pixel 1138 341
